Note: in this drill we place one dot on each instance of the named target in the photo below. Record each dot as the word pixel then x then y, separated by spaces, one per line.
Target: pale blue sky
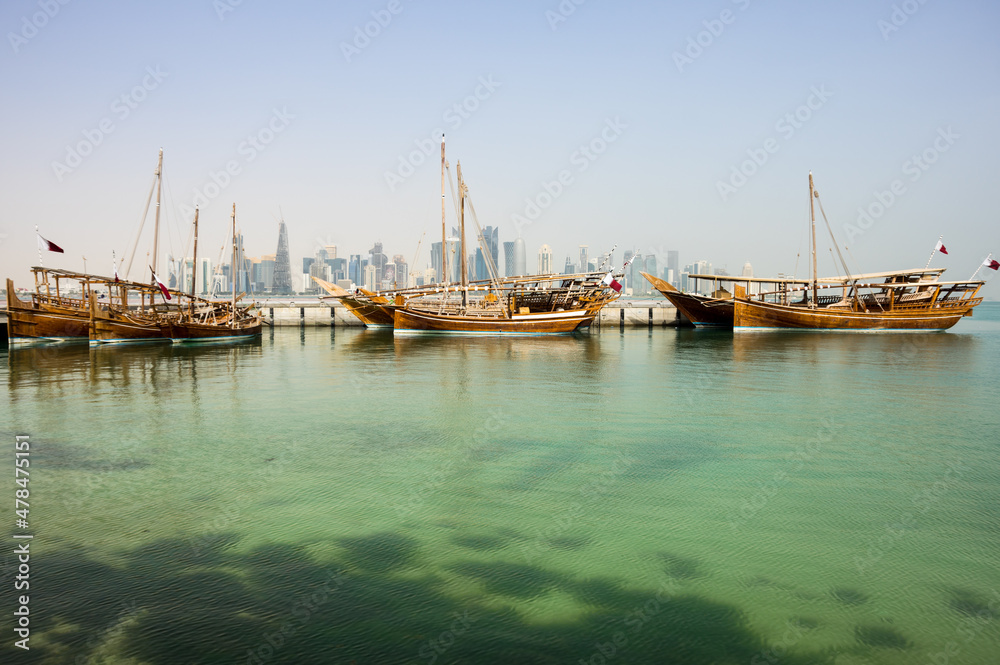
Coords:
pixel 886 96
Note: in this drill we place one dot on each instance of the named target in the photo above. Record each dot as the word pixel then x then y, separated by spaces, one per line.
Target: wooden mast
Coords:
pixel 194 261
pixel 444 230
pixel 461 215
pixel 812 215
pixel 156 225
pixel 232 319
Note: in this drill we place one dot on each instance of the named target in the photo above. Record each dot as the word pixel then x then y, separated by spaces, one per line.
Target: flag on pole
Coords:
pixel 940 247
pixel 992 264
pixel 114 264
pixel 48 245
pixel 609 280
pixel 163 288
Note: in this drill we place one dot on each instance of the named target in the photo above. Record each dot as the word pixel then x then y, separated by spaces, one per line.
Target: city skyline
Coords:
pixel 681 130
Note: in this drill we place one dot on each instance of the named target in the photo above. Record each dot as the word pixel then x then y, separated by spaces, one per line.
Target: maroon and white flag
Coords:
pixel 940 247
pixel 47 245
pixel 163 288
pixel 992 264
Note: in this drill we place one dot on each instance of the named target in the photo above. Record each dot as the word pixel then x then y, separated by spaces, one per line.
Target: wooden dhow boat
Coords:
pixel 58 309
pixel 907 300
pixel 519 306
pixel 372 309
pixel 532 305
pixel 716 310
pixel 205 320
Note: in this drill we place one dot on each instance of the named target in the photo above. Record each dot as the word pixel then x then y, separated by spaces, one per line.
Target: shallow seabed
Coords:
pixel 614 497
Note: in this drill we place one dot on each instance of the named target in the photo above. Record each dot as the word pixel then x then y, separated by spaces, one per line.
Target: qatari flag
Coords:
pixel 940 247
pixel 616 286
pixel 48 245
pixel 992 264
pixel 163 288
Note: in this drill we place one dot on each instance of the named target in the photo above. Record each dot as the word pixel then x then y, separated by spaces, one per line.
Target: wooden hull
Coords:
pixel 702 311
pixel 27 324
pixel 548 323
pixel 751 315
pixel 191 332
pixel 370 314
pixel 121 330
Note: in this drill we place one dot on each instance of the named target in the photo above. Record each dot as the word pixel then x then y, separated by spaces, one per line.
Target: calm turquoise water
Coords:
pixel 637 497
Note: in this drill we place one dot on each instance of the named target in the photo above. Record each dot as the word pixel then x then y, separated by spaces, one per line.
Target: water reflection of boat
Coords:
pixel 71 363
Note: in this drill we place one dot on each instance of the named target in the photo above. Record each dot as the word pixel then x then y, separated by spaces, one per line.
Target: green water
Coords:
pixel 640 497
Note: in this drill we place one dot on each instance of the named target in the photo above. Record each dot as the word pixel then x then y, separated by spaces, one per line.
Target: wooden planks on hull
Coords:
pixel 408 320
pixel 756 315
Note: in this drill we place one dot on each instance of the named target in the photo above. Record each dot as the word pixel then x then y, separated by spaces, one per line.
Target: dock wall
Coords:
pixel 317 314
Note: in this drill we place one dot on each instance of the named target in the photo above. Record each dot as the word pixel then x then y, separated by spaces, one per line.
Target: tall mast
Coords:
pixel 194 261
pixel 444 231
pixel 812 215
pixel 461 214
pixel 156 225
pixel 232 318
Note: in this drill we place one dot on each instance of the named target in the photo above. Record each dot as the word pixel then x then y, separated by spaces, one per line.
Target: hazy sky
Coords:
pixel 647 111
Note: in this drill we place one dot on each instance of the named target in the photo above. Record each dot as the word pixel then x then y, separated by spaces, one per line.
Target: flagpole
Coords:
pixel 985 261
pixel 38 242
pixel 933 252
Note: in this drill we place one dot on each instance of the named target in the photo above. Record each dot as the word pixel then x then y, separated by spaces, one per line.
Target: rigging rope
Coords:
pixel 142 223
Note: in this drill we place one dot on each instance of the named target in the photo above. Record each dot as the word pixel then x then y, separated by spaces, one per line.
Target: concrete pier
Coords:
pixel 636 314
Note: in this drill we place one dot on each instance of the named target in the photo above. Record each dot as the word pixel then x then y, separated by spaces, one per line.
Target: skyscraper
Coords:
pixel 282 283
pixel 544 260
pixel 673 263
pixel 647 288
pixel 402 271
pixel 453 260
pixel 584 261
pixel 479 262
pixel 520 259
pixel 378 260
pixel 491 241
pixel 508 259
pixel 354 269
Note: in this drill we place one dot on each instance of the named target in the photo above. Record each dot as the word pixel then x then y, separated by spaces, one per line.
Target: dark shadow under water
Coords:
pixel 183 602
